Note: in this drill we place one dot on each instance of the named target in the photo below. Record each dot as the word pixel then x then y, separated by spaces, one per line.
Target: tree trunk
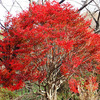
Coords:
pixel 51 93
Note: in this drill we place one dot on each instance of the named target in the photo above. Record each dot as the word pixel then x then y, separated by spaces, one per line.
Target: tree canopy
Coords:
pixel 47 43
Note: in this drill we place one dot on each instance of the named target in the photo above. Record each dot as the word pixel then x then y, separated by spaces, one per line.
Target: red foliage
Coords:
pixel 73 84
pixel 44 39
pixel 89 84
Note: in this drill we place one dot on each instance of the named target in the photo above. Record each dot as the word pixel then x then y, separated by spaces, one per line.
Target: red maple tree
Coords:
pixel 46 44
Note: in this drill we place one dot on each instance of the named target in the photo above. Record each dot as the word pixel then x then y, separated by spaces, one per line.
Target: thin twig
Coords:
pixel 12 6
pixel 4 6
pixel 18 4
pixel 3 26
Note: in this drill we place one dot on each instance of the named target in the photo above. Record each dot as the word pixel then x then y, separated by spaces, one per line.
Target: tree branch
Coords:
pixel 61 1
pixel 19 4
pixel 84 6
pixel 97 23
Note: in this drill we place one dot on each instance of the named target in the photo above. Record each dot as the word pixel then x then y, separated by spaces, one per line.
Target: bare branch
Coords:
pixel 61 1
pixel 96 5
pixel 3 26
pixel 97 31
pixel 4 6
pixel 19 4
pixel 84 6
pixel 12 6
pixel 97 23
